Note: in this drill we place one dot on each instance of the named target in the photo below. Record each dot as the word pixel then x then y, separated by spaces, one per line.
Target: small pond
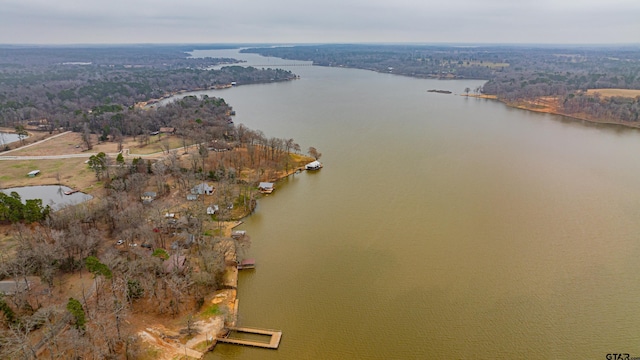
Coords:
pixel 52 195
pixel 6 138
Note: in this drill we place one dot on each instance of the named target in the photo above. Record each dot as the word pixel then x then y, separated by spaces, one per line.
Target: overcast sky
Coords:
pixel 319 21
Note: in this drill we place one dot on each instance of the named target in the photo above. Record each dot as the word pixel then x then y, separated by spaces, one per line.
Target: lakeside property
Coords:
pixel 159 178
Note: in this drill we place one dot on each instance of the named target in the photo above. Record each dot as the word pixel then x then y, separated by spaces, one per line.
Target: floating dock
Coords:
pixel 273 343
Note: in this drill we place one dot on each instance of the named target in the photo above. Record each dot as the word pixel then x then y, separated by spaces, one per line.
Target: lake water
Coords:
pixel 440 226
pixel 52 195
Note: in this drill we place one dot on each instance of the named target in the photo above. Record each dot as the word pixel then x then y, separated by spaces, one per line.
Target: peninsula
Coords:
pixel 148 268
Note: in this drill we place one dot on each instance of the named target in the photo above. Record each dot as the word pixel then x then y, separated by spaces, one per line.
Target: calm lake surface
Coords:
pixel 6 138
pixel 52 195
pixel 440 226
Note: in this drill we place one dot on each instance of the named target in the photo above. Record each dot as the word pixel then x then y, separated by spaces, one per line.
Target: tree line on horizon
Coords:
pixel 513 73
pixel 71 88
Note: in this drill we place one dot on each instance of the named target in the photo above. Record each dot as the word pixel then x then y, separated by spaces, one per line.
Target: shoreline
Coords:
pixel 155 335
pixel 166 339
pixel 154 102
pixel 547 110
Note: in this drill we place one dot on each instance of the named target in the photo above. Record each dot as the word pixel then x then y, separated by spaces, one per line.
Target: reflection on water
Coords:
pixel 52 195
pixel 7 138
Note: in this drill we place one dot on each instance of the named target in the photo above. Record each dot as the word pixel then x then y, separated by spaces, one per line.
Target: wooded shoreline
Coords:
pixel 529 107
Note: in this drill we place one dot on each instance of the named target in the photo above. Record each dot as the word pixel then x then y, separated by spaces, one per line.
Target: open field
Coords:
pixel 72 143
pixel 33 137
pixel 631 93
pixel 156 144
pixel 73 173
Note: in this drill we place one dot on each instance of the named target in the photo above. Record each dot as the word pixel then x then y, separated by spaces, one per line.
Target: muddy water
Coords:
pixel 440 226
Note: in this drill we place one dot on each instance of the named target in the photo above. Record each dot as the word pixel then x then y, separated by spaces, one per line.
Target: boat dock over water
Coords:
pixel 247 264
pixel 315 165
pixel 273 343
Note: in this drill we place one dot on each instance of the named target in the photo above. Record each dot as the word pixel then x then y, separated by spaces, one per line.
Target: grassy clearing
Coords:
pixel 155 145
pixel 73 173
pixel 72 143
pixel 65 144
pixel 210 311
pixel 630 93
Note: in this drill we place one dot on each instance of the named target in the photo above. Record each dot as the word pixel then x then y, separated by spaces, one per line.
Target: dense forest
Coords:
pixel 57 87
pixel 514 73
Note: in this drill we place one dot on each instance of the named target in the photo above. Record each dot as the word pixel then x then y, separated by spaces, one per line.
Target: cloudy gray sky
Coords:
pixel 299 21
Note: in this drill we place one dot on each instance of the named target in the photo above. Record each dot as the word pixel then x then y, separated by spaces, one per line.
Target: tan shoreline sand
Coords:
pixel 548 105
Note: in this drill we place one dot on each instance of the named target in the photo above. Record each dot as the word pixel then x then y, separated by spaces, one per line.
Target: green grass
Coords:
pixel 210 311
pixel 161 253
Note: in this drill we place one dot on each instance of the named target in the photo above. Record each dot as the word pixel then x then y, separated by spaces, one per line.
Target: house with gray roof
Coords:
pixel 202 189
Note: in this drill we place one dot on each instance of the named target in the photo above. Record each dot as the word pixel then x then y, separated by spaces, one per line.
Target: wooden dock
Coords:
pixel 273 343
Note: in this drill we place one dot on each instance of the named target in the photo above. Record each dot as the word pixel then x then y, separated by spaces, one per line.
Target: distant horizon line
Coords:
pixel 245 44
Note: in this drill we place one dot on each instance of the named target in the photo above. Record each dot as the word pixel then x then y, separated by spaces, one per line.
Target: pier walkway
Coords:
pixel 273 343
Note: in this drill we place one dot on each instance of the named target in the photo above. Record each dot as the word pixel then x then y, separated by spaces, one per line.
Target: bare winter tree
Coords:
pixel 313 152
pixel 86 137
